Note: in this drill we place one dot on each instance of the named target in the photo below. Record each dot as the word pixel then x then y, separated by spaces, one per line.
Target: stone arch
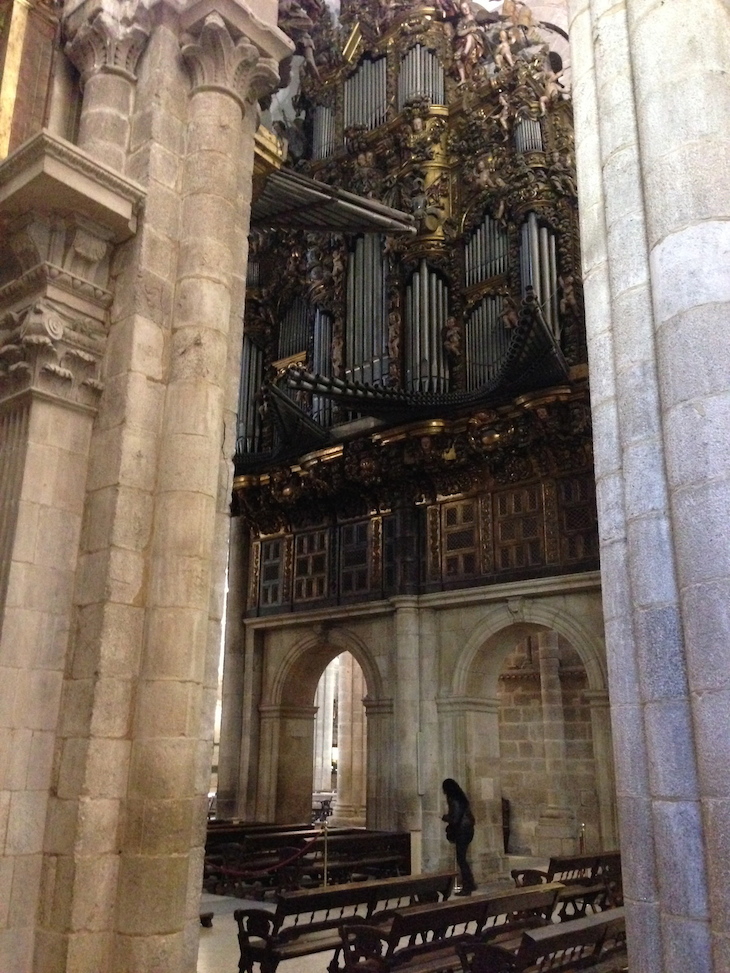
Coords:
pixel 287 713
pixel 493 636
pixel 306 660
pixel 470 704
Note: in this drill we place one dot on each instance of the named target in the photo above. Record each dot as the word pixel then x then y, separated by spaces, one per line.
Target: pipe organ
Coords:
pixel 421 76
pixel 419 383
pixel 485 254
pixel 528 135
pixel 249 420
pixel 426 315
pixel 294 329
pixel 323 132
pixel 486 341
pixel 365 95
pixel 538 268
pixel 366 327
pixel 322 363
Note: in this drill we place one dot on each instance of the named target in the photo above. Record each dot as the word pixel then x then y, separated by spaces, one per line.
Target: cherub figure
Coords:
pixel 503 52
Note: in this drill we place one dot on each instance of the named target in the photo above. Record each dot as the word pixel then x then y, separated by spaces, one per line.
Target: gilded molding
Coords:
pixel 217 62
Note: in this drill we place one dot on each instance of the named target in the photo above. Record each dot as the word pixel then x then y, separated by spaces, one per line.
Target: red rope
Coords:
pixel 266 871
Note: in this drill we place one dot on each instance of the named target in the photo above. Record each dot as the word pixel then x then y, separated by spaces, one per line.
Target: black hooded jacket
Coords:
pixel 459 819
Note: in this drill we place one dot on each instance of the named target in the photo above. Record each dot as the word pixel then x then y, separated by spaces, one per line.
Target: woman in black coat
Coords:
pixel 459 830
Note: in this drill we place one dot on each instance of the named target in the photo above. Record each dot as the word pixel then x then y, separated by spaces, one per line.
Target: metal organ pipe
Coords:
pixel 249 420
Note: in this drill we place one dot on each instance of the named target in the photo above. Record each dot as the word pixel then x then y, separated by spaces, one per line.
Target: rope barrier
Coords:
pixel 258 873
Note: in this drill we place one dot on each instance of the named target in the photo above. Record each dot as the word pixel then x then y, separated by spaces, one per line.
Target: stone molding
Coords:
pixel 61 214
pixel 461 705
pixel 218 62
pixel 110 41
pixel 47 173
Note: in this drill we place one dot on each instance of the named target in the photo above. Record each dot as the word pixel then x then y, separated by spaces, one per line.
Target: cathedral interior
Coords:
pixel 364 402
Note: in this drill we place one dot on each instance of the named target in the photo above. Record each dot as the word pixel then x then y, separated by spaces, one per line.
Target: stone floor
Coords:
pixel 218 952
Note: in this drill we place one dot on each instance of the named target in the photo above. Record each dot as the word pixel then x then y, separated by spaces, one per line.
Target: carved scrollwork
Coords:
pixel 217 62
pixel 41 348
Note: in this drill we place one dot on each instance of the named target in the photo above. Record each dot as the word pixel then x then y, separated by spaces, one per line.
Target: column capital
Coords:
pixel 219 62
pixel 109 41
pixel 49 354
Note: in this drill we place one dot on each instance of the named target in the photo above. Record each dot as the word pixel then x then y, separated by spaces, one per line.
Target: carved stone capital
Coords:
pixel 49 351
pixel 110 41
pixel 218 62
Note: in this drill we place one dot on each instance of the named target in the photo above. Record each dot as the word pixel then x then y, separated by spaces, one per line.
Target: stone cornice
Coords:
pixel 270 41
pixel 48 174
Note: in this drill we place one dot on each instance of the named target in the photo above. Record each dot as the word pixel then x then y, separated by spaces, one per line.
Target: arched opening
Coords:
pixel 528 723
pixel 340 743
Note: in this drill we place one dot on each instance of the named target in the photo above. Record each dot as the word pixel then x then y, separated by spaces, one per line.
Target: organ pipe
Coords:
pixel 366 334
pixel 538 268
pixel 365 101
pixel 485 342
pixel 421 76
pixel 294 329
pixel 252 374
pixel 486 252
pixel 323 132
pixel 426 312
pixel 528 135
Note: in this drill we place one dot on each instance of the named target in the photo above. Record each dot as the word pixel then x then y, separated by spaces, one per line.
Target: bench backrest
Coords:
pixel 425 923
pixel 327 907
pixel 568 944
pixel 571 868
pixel 517 908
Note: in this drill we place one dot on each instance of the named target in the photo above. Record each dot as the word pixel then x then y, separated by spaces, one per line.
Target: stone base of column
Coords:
pixel 556 832
pixel 348 815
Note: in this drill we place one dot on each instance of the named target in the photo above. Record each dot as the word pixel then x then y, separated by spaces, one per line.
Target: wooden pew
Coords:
pixel 308 921
pixel 425 939
pixel 591 881
pixel 264 863
pixel 588 943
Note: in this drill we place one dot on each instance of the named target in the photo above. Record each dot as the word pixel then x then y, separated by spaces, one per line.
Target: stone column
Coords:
pixel 603 757
pixel 429 781
pixel 323 727
pixel 172 721
pixel 407 714
pixel 106 49
pixel 655 294
pixel 350 802
pixel 63 215
pixel 556 828
pixel 380 787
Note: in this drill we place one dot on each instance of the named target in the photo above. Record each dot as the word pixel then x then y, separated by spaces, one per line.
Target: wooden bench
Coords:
pixel 588 943
pixel 591 882
pixel 425 939
pixel 267 863
pixel 308 921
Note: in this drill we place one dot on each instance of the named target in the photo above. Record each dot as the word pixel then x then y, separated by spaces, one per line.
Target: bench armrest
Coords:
pixel 256 924
pixel 528 876
pixel 364 947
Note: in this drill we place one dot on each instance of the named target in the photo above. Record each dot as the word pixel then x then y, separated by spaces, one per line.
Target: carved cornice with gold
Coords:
pixel 425 462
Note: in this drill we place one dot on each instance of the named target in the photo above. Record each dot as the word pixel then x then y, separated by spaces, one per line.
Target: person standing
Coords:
pixel 459 831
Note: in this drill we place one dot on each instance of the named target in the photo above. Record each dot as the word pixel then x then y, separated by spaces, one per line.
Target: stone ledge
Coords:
pixel 48 174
